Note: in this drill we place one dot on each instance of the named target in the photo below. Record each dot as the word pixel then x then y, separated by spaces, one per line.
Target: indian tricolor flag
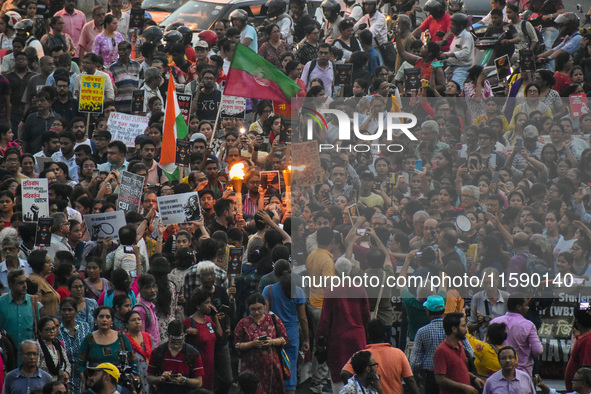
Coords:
pixel 174 128
pixel 252 76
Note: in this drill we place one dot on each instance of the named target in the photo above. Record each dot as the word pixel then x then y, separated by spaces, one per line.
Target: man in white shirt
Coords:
pixel 375 20
pixel 498 5
pixel 461 54
pixel 60 231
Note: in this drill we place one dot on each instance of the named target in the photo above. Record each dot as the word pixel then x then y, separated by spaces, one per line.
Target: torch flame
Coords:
pixel 237 171
pixel 297 168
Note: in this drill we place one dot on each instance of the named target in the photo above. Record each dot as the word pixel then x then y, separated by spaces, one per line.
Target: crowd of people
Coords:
pixel 492 182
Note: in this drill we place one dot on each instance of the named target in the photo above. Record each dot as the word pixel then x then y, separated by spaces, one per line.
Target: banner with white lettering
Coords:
pixel 35 196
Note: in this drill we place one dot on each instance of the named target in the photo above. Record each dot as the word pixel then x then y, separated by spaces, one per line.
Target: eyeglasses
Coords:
pixel 30 354
pixel 89 166
pixel 259 309
pixel 52 329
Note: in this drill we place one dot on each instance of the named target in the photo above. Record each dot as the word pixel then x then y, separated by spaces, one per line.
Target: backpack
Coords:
pixel 540 45
pixel 190 354
pixel 8 351
pixel 536 266
pixel 148 314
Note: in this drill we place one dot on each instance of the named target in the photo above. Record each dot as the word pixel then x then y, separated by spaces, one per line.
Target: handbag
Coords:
pixel 283 357
pixel 387 50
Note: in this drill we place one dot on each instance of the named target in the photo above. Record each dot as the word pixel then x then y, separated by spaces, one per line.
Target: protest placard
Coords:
pixel 412 79
pixel 136 18
pixel 92 93
pixel 183 153
pixel 235 261
pixel 137 101
pixel 503 66
pixel 106 224
pixel 179 208
pixel 579 104
pixel 130 191
pixel 184 101
pixel 306 156
pixel 233 107
pixel 343 74
pixel 35 199
pixel 43 235
pixel 125 127
pixel 270 181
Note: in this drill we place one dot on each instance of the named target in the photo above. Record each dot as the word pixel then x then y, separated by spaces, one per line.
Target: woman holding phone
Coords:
pixel 256 337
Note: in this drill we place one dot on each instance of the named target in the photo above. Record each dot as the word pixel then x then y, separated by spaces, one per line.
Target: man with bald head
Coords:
pixel 518 263
pixel 418 221
pixel 487 303
pixel 429 234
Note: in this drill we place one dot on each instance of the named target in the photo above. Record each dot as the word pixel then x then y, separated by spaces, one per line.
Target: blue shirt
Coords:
pixel 17 319
pixel 426 342
pixel 72 166
pixel 22 264
pixel 374 60
pixel 250 32
pixel 17 382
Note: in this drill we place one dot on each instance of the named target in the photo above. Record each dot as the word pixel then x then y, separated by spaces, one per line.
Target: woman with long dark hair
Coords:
pixel 166 298
pixel 53 358
pixel 288 302
pixel 84 306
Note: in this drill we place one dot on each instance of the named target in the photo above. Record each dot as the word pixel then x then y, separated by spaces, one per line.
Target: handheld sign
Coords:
pixel 183 153
pixel 579 104
pixel 137 101
pixel 179 208
pixel 503 67
pixel 527 61
pixel 412 79
pixel 43 235
pixel 130 191
pixel 270 181
pixel 233 107
pixel 235 261
pixel 184 101
pixel 343 74
pixel 285 132
pixel 35 197
pixel 92 93
pixel 125 127
pixel 107 224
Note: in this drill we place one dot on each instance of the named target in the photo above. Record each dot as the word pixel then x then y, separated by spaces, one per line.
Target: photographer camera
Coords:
pixel 128 377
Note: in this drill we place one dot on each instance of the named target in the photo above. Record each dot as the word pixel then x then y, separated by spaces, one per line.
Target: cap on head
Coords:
pixel 435 303
pixel 108 368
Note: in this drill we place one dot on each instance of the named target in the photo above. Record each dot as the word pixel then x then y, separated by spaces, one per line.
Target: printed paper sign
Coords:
pixel 106 224
pixel 35 199
pixel 235 261
pixel 43 235
pixel 503 67
pixel 183 153
pixel 412 79
pixel 92 93
pixel 184 101
pixel 527 61
pixel 579 105
pixel 125 127
pixel 136 20
pixel 130 191
pixel 343 74
pixel 137 101
pixel 233 107
pixel 179 208
pixel 270 181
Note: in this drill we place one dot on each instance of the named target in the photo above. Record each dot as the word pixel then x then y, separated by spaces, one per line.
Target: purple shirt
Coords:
pixel 107 47
pixel 154 328
pixel 497 384
pixel 523 337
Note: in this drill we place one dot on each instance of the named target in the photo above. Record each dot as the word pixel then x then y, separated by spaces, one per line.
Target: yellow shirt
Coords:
pixel 453 301
pixel 487 360
pixel 319 265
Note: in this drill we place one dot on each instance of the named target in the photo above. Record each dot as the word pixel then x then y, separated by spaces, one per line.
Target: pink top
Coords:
pixel 107 47
pixel 88 35
pixel 73 25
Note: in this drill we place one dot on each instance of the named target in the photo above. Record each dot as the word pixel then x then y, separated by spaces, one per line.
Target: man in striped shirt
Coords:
pixel 127 74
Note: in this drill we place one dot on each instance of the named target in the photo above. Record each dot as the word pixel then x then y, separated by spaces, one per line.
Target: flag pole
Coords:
pixel 217 118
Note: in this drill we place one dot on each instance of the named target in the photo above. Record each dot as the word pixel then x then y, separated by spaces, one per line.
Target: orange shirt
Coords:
pixel 392 366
